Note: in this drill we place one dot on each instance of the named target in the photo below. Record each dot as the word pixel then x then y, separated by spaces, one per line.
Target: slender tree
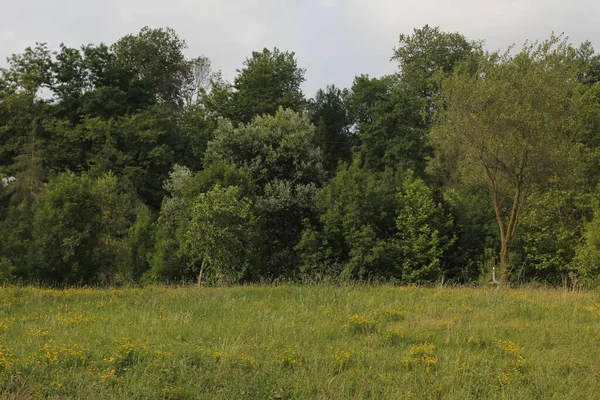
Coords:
pixel 511 127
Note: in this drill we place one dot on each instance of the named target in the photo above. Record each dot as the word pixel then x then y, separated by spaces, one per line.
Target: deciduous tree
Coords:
pixel 511 125
pixel 221 233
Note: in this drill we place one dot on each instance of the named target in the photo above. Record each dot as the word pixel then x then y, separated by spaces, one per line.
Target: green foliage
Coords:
pixel 357 212
pixel 78 228
pixel 330 112
pixel 16 224
pixel 586 263
pixel 67 226
pixel 142 152
pixel 424 233
pixel 117 204
pixel 137 248
pixel 269 80
pixel 551 231
pixel 6 270
pixel 219 173
pixel 377 226
pixel 391 130
pixel 281 209
pixel 427 53
pixel 27 72
pixel 270 147
pixel 114 108
pixel 510 139
pixel 153 63
pixel 113 156
pixel 279 156
pixel 497 131
pixel 139 148
pixel 394 112
pixel 194 130
pixel 220 235
pixel 168 262
pixel 590 63
pixel 22 140
pixel 476 231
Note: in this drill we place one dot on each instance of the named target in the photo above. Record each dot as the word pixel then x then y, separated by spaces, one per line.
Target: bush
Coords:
pixel 6 270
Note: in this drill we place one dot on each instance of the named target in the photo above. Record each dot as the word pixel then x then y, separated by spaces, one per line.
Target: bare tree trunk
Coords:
pixel 504 260
pixel 202 266
pixel 507 231
pixel 504 234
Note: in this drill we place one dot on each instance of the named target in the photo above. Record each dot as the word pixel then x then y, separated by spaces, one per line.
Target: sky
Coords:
pixel 334 40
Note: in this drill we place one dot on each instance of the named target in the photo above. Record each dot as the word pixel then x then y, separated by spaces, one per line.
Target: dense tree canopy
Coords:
pixel 330 111
pixel 132 163
pixel 270 79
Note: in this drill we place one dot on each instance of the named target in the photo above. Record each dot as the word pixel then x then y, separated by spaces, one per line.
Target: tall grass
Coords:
pixel 299 342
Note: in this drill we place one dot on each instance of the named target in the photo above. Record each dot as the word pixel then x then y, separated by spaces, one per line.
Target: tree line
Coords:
pixel 130 163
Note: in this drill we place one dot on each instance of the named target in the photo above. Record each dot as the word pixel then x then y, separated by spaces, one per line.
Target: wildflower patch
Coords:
pixel 421 355
pixel 361 323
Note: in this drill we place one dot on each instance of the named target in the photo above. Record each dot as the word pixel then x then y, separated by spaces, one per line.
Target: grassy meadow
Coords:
pixel 292 342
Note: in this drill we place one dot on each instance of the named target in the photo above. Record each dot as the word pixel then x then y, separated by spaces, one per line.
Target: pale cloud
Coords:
pixel 334 40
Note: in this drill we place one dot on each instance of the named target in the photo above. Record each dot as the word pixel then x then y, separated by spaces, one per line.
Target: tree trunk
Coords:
pixel 201 271
pixel 504 259
pixel 507 232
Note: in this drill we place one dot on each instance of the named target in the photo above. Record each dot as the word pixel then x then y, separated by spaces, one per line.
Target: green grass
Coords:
pixel 309 342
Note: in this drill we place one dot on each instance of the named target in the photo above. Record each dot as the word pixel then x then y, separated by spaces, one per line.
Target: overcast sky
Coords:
pixel 334 40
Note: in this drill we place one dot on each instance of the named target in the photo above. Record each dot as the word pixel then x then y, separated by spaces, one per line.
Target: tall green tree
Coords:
pixel 119 207
pixel 330 112
pixel 426 56
pixel 391 131
pixel 16 227
pixel 394 113
pixel 28 72
pixel 590 63
pixel 22 114
pixel 270 79
pixel 169 262
pixel 281 159
pixel 79 225
pixel 152 63
pixel 511 126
